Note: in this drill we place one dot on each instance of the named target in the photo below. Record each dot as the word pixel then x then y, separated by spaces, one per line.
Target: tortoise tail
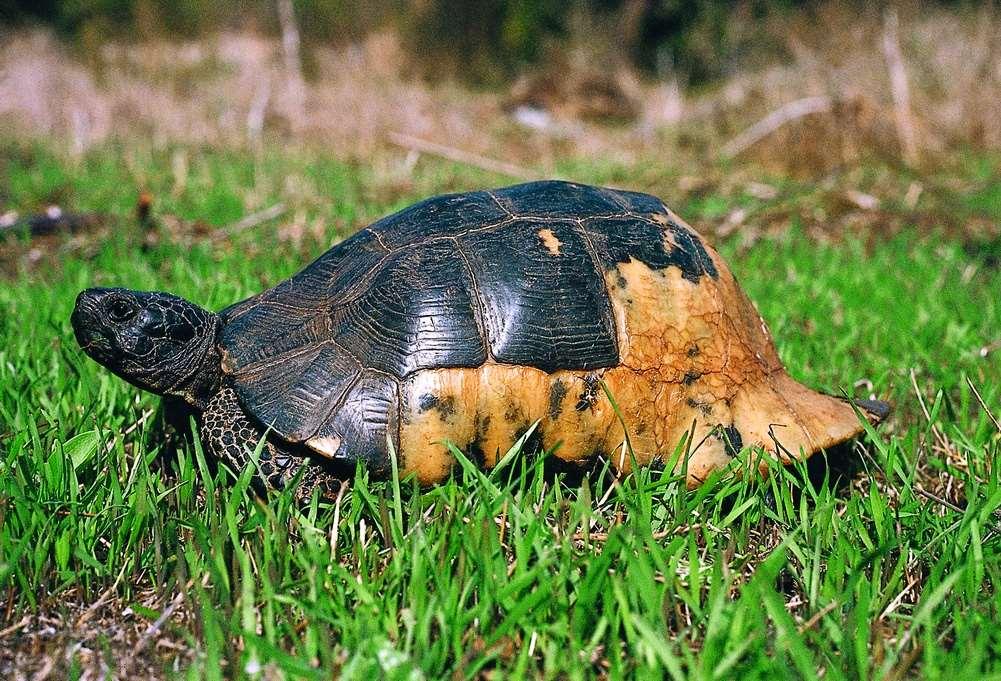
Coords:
pixel 876 410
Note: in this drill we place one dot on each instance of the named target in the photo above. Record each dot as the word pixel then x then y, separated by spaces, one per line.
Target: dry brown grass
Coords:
pixel 953 67
pixel 98 636
pixel 234 90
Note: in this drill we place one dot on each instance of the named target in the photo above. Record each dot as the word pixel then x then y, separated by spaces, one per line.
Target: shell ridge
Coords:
pixel 478 312
pixel 608 315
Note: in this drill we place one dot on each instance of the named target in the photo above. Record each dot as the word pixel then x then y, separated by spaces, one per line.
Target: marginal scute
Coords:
pixel 294 392
pixel 365 424
pixel 325 446
pixel 495 404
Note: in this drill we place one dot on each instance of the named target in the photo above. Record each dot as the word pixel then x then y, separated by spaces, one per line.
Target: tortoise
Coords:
pixel 467 318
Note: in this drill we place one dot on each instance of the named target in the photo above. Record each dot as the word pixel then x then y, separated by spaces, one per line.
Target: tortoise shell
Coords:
pixel 469 317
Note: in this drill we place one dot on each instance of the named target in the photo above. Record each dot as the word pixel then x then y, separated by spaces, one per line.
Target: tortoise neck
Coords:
pixel 198 387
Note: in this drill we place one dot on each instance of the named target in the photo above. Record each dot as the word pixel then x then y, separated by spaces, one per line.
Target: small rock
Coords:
pixel 760 190
pixel 533 117
pixel 862 200
pixel 912 195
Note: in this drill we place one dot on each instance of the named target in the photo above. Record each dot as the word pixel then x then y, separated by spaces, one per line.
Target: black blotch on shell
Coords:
pixel 445 406
pixel 620 240
pixel 557 391
pixel 474 452
pixel 732 441
pixel 533 445
pixel 691 377
pixel 589 396
pixel 427 401
pixel 481 423
pixel 704 407
pixel 514 413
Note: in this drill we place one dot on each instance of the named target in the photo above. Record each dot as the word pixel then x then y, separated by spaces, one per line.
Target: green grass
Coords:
pixel 516 573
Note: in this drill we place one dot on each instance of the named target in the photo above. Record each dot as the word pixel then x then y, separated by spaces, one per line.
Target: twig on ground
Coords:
pixel 608 492
pixel 143 418
pixel 335 529
pixel 899 599
pixel 158 624
pixel 251 220
pixel 775 120
pixel 46 670
pixel 912 195
pixel 899 87
pixel 460 156
pixel 502 522
pixel 4 633
pixel 817 616
pixel 939 436
pixel 983 405
pixel 938 500
pixel 101 600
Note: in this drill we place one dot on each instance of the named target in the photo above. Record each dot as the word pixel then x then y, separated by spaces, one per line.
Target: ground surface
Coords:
pixel 122 552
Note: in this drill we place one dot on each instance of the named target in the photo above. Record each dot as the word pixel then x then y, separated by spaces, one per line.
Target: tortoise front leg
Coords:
pixel 232 437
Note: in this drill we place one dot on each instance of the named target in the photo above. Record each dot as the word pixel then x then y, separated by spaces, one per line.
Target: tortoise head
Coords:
pixel 156 341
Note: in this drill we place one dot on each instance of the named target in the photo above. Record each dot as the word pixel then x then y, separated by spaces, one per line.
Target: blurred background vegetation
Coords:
pixel 875 103
pixel 481 41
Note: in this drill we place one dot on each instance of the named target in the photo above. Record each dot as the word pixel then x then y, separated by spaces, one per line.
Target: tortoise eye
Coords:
pixel 121 310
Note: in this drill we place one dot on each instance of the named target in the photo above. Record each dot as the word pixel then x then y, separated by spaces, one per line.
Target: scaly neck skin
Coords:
pixel 205 380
